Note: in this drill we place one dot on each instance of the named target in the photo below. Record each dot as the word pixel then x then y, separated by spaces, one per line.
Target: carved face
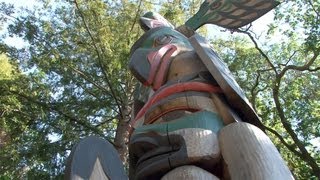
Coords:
pixel 190 138
pixel 151 55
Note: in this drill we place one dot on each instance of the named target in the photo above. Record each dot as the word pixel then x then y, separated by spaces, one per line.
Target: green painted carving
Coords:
pixel 157 37
pixel 152 41
pixel 157 148
pixel 204 120
pixel 230 14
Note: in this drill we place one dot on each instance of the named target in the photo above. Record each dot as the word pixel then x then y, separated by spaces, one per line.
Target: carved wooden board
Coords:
pixel 219 70
pixel 230 14
pixel 94 158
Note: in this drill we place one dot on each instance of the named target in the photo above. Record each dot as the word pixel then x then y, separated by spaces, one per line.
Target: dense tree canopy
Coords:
pixel 71 79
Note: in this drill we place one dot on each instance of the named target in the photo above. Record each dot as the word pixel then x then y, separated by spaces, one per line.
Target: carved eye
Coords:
pixel 162 40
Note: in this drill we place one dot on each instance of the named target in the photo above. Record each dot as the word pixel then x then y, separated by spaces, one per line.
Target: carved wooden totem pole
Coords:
pixel 195 122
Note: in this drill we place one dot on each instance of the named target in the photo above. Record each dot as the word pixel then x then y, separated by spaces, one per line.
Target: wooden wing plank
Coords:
pixel 219 70
pixel 230 14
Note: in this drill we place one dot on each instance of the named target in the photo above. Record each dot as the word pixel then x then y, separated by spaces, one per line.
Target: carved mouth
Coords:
pixel 156 153
pixel 152 155
pixel 147 147
pixel 185 146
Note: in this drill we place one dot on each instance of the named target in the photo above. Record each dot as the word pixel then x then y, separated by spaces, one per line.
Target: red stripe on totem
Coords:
pixel 176 88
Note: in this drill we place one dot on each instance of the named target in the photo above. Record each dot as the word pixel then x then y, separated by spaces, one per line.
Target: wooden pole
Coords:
pixel 249 154
pixel 189 173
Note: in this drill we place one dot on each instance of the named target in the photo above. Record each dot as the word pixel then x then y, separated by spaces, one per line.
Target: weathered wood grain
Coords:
pixel 249 154
pixel 185 64
pixel 189 173
pixel 180 101
pixel 226 113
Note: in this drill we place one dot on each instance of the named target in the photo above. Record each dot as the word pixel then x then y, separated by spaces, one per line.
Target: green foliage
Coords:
pixel 71 80
pixel 69 89
pixel 302 17
pixel 177 12
pixel 6 68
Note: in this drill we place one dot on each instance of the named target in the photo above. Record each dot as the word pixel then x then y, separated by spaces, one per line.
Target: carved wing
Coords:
pixel 221 73
pixel 230 14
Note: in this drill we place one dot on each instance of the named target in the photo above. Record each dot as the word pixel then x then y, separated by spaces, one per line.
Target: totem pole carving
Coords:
pixel 195 122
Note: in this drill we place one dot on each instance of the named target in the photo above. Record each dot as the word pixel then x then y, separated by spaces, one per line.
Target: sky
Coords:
pixel 13 41
pixel 259 26
pixel 23 3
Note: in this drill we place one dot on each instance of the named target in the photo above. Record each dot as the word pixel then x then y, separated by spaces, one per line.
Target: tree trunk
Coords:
pixel 121 140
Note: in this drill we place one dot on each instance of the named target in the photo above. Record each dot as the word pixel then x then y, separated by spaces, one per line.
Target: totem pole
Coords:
pixel 194 122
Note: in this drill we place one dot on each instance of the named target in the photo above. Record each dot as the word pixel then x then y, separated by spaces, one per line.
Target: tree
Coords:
pixel 74 81
pixel 280 78
pixel 70 66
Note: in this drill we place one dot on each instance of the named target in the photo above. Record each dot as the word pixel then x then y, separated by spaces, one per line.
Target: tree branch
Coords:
pixel 253 93
pixel 290 147
pixel 305 155
pixel 52 107
pixel 259 49
pixel 105 121
pixel 2 112
pixel 290 58
pixel 99 57
pixel 82 74
pixel 305 67
pixel 313 8
pixel 103 52
pixel 136 17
